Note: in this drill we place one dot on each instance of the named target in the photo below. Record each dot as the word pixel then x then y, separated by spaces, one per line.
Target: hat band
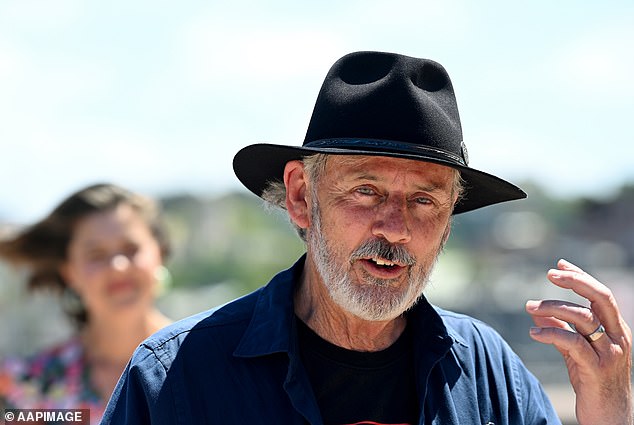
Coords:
pixel 386 145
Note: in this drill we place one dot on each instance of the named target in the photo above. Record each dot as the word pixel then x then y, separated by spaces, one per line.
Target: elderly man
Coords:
pixel 345 336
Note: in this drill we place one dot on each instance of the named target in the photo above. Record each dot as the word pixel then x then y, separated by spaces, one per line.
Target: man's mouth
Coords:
pixel 382 268
pixel 382 262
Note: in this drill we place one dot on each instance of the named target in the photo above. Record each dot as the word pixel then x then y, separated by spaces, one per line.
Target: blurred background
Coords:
pixel 158 96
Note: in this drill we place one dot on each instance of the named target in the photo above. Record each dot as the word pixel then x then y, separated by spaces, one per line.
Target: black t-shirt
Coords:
pixel 354 387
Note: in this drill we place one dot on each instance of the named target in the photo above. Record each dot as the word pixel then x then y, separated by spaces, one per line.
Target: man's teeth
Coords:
pixel 382 262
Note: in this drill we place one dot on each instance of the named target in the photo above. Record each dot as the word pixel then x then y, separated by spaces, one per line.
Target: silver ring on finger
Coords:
pixel 598 333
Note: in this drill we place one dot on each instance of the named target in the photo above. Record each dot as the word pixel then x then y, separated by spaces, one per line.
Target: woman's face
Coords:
pixel 112 263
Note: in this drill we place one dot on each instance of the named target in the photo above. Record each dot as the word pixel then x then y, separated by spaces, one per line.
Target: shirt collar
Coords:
pixel 272 328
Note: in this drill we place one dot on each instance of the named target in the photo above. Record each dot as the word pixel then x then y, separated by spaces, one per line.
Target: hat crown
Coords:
pixel 388 97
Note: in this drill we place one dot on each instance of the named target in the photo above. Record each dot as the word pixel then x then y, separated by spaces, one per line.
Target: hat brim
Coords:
pixel 258 164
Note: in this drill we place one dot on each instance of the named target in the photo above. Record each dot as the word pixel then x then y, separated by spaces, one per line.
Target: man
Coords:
pixel 345 336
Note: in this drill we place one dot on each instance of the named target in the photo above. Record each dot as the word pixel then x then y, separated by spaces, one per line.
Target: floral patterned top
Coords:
pixel 56 378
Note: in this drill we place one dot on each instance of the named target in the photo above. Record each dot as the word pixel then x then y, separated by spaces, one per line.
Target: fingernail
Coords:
pixel 565 264
pixel 532 305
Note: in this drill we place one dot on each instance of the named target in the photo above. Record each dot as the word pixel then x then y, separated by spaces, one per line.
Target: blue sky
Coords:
pixel 158 96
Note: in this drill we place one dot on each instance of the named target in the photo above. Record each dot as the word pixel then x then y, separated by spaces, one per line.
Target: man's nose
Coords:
pixel 393 221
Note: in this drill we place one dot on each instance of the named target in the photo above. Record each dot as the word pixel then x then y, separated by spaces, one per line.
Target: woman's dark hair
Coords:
pixel 43 246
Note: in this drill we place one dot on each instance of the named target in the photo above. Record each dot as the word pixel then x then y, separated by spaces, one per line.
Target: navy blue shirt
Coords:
pixel 240 364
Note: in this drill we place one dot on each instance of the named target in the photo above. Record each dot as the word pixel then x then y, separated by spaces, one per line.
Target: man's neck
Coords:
pixel 315 307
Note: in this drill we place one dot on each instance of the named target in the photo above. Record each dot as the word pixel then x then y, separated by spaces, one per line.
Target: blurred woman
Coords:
pixel 103 250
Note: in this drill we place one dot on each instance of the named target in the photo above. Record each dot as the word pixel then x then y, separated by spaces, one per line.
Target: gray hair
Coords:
pixel 274 194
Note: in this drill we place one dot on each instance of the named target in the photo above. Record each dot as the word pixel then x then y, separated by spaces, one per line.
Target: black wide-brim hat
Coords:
pixel 382 104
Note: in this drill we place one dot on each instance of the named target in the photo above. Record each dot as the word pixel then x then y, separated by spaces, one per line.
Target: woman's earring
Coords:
pixel 163 279
pixel 71 302
pixel 73 306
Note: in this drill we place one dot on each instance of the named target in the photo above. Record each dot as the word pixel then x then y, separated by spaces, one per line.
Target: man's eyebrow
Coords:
pixel 361 175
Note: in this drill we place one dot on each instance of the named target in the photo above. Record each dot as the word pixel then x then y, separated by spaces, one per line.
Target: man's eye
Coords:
pixel 422 200
pixel 365 191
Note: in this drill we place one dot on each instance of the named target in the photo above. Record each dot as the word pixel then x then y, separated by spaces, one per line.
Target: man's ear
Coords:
pixel 296 189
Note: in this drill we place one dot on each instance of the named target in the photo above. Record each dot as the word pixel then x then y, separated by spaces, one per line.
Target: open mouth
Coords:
pixel 383 268
pixel 383 262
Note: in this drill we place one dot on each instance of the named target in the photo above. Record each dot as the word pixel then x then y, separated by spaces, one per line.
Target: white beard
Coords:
pixel 374 299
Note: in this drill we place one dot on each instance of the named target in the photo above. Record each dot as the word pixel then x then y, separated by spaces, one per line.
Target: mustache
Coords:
pixel 383 249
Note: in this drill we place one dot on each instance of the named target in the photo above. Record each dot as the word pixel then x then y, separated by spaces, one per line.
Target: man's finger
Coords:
pixel 602 301
pixel 568 342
